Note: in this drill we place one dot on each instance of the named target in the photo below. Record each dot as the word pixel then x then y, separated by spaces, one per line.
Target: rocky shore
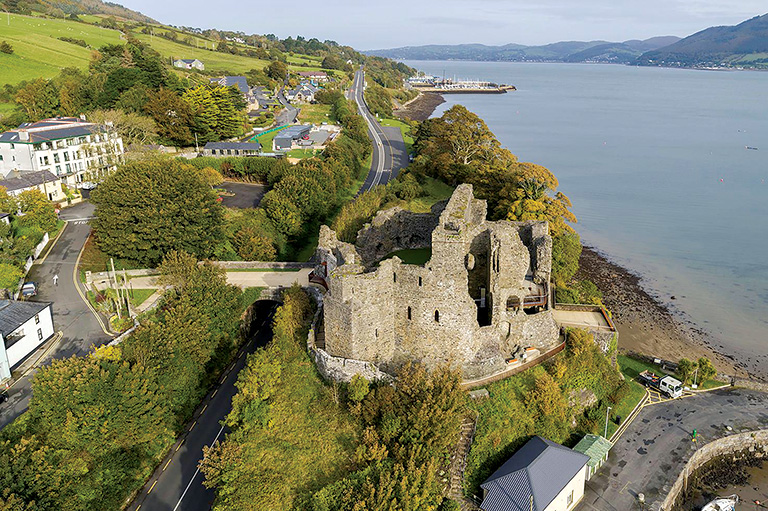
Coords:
pixel 421 107
pixel 645 325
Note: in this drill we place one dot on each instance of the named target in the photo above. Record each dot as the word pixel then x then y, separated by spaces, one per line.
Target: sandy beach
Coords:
pixel 421 107
pixel 645 325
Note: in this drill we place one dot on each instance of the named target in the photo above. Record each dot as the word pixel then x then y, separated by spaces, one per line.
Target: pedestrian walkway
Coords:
pixel 243 279
pixel 459 463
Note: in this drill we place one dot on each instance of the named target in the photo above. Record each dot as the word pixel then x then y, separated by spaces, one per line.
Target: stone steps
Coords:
pixel 459 463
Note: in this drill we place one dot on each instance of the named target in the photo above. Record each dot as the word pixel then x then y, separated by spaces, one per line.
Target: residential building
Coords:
pixel 23 327
pixel 17 182
pixel 189 64
pixel 285 138
pixel 70 148
pixel 229 81
pixel 224 149
pixel 317 76
pixel 597 448
pixel 540 476
pixel 5 218
pixel 304 93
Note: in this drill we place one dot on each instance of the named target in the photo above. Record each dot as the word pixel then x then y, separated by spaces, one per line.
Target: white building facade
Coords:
pixel 24 326
pixel 71 149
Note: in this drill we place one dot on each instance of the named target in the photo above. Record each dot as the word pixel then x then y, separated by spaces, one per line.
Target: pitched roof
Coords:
pixel 295 131
pixel 188 61
pixel 243 146
pixel 13 314
pixel 28 180
pixel 52 129
pixel 594 446
pixel 229 81
pixel 540 469
pixel 312 73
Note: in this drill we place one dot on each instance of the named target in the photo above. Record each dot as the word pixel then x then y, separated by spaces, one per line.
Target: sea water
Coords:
pixel 656 163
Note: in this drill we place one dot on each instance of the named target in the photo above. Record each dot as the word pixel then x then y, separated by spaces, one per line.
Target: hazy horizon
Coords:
pixel 489 22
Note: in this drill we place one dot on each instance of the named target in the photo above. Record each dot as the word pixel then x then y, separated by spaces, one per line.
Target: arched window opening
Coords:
pixel 394 277
pixel 437 316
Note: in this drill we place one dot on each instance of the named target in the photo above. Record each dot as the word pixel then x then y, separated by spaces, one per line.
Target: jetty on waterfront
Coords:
pixel 445 85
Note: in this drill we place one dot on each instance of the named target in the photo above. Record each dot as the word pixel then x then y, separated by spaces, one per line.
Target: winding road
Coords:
pixel 389 152
pixel 177 484
pixel 80 328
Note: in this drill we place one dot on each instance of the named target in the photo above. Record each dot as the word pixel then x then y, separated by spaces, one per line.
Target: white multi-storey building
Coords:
pixel 70 148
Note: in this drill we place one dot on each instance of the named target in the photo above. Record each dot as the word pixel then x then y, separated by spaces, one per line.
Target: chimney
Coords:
pixel 24 135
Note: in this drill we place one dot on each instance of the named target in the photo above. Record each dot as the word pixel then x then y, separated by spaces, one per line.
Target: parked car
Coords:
pixel 29 290
pixel 4 397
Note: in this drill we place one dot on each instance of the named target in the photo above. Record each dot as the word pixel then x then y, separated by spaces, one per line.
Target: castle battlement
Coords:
pixel 481 299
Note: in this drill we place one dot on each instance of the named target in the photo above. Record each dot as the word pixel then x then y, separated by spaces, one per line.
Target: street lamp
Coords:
pixel 607 414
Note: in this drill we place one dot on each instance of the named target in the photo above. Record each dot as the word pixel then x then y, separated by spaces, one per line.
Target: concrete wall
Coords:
pixel 755 442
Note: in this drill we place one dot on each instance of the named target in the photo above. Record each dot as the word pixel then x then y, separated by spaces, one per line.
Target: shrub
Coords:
pixel 5 47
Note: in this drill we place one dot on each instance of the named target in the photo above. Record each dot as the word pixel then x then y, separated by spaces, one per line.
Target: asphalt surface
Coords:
pixel 177 484
pixel 652 452
pixel 389 154
pixel 79 327
pixel 246 195
pixel 289 113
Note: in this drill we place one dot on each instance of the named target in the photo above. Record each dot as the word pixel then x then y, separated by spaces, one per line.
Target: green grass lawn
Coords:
pixel 436 192
pixel 265 139
pixel 315 114
pixel 624 407
pixel 94 260
pixel 303 153
pixel 417 256
pixel 632 367
pixel 405 129
pixel 139 296
pixel 39 53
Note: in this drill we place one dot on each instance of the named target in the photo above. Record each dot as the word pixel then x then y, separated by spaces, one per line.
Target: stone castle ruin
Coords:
pixel 481 302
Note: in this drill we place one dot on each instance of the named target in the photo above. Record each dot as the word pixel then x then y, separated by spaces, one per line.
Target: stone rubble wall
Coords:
pixel 754 442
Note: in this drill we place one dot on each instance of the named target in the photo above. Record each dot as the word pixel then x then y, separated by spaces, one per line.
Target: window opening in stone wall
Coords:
pixel 513 303
pixel 409 313
pixel 437 316
pixel 376 332
pixel 394 277
pixel 419 281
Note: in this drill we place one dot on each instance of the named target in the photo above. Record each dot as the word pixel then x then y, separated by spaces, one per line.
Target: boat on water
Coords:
pixel 750 147
pixel 722 504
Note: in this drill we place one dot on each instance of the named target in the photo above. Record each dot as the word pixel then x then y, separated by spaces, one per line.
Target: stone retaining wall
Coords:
pixel 754 442
pixel 258 265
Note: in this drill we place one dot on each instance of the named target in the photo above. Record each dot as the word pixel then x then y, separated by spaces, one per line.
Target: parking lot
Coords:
pixel 244 195
pixel 653 450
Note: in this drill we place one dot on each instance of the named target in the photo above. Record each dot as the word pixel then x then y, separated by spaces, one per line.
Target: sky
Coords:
pixel 374 24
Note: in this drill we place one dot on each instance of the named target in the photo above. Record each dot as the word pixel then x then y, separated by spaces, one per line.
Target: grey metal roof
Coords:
pixel 292 132
pixel 243 146
pixel 229 81
pixel 188 61
pixel 541 468
pixel 28 180
pixel 55 129
pixel 13 314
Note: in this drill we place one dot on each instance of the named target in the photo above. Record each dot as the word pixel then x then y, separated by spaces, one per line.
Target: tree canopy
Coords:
pixel 149 208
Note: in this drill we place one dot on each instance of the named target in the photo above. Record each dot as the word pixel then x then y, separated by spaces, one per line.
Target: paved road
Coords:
pixel 389 154
pixel 177 484
pixel 71 315
pixel 246 195
pixel 243 279
pixel 650 455
pixel 289 113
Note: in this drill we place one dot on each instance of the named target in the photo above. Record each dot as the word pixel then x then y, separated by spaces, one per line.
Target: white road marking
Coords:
pixel 195 474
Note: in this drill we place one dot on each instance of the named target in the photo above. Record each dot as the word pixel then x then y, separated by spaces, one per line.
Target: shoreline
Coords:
pixel 645 325
pixel 421 107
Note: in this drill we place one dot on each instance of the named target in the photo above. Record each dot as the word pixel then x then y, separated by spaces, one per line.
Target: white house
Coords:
pixel 317 76
pixel 70 148
pixel 43 180
pixel 23 327
pixel 540 476
pixel 189 64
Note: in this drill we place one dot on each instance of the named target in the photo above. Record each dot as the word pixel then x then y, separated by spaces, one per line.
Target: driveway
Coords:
pixel 650 455
pixel 71 316
pixel 246 195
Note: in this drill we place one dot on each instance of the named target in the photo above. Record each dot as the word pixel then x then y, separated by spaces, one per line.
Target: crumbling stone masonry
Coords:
pixel 479 302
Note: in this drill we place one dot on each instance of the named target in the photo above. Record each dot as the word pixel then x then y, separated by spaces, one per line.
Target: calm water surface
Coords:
pixel 655 162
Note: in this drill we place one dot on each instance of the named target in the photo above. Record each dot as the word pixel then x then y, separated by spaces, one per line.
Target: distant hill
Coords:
pixel 68 7
pixel 743 45
pixel 564 51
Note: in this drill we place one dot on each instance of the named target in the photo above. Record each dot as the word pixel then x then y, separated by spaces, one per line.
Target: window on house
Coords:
pixel 58 170
pixel 69 168
pixel 66 156
pixel 570 499
pixel 46 160
pixel 1 157
pixel 437 316
pixel 39 334
pixel 13 146
pixel 37 319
